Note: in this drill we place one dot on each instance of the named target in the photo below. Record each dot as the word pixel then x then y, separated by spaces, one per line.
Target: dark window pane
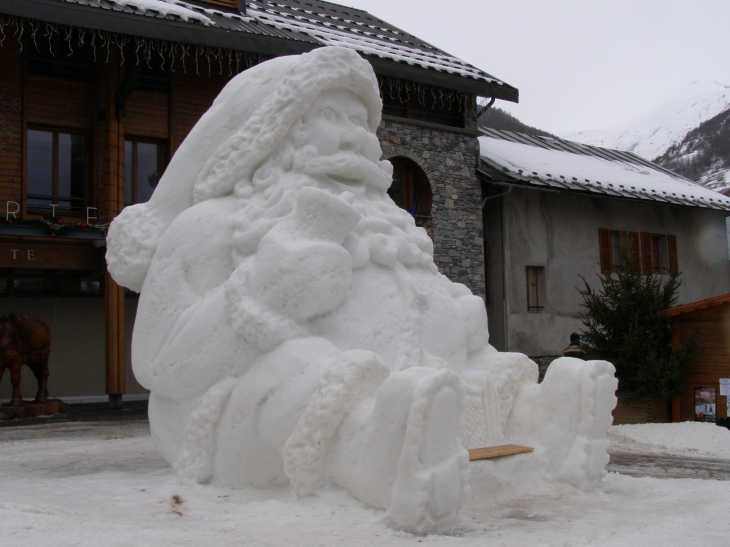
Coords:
pixel 147 170
pixel 70 171
pixel 56 57
pixel 40 168
pixel 420 111
pixel 128 197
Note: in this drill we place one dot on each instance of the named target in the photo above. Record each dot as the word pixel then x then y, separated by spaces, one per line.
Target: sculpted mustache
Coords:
pixel 349 166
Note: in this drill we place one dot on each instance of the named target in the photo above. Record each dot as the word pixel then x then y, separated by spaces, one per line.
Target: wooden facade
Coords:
pixel 112 89
pixel 710 320
pixel 59 104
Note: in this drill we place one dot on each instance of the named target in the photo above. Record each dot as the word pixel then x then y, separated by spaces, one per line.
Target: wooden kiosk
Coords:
pixel 711 320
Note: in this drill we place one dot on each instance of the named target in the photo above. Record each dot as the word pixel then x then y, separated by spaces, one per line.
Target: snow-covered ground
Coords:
pixel 692 439
pixel 104 484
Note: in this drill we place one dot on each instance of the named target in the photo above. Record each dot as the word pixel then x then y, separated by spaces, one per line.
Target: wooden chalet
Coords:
pixel 710 320
pixel 97 95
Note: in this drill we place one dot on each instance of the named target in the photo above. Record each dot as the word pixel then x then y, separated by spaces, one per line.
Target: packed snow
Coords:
pixel 293 328
pixel 98 484
pixel 597 174
pixel 651 135
pixel 699 439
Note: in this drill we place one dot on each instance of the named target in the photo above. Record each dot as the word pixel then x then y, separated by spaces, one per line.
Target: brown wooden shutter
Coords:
pixel 604 245
pixel 673 261
pixel 635 251
pixel 646 266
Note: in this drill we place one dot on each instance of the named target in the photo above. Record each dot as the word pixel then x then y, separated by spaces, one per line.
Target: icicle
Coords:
pixel 20 28
pixel 184 55
pixel 92 40
pixel 68 31
pixel 2 30
pixel 121 41
pixel 139 43
pixel 34 26
pixel 161 52
pixel 50 30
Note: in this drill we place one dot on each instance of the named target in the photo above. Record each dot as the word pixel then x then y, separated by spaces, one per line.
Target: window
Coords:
pixel 143 167
pixel 55 57
pixel 153 76
pixel 535 289
pixel 411 190
pixel 56 170
pixel 650 253
pixel 659 254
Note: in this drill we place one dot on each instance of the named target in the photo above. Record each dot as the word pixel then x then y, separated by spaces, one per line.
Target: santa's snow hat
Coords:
pixel 246 122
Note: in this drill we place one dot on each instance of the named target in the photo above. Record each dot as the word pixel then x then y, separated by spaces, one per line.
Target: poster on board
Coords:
pixel 705 404
pixel 724 387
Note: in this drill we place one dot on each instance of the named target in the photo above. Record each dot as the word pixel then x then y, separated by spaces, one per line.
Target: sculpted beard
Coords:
pixel 270 197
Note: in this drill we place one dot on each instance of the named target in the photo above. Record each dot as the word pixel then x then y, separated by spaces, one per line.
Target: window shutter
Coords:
pixel 635 251
pixel 604 245
pixel 646 265
pixel 673 261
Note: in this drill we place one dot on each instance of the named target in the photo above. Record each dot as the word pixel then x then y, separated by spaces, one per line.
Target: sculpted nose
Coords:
pixel 353 138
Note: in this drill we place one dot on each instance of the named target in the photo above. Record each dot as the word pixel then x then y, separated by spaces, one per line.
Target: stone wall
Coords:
pixel 448 158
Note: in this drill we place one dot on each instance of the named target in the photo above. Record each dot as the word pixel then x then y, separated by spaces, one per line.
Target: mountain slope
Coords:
pixel 703 154
pixel 652 135
pixel 496 118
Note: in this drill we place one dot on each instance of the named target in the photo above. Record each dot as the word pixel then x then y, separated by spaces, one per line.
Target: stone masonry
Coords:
pixel 448 159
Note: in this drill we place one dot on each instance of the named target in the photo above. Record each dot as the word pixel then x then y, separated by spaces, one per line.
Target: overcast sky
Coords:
pixel 579 64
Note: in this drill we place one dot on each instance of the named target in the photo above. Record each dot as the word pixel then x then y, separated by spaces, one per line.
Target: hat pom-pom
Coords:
pixel 131 243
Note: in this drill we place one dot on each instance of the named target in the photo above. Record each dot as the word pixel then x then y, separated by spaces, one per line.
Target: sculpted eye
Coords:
pixel 357 121
pixel 328 114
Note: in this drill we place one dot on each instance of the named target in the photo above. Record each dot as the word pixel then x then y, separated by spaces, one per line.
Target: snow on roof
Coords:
pixel 165 8
pixel 316 22
pixel 546 162
pixel 362 32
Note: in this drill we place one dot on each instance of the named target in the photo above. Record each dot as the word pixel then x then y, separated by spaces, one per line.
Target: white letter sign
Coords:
pixel 8 212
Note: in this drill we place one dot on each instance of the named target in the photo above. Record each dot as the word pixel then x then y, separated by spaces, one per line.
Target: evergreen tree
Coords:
pixel 624 325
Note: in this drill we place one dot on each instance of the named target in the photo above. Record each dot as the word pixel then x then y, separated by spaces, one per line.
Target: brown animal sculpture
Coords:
pixel 25 339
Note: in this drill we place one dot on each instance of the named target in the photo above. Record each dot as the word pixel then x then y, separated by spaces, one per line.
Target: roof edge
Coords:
pixel 696 306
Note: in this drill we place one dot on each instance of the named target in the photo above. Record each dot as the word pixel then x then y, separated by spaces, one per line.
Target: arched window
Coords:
pixel 411 190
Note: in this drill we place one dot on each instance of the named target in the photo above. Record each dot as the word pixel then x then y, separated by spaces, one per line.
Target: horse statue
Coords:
pixel 25 339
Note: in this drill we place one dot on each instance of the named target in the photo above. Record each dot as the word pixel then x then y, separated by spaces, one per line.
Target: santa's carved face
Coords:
pixel 337 145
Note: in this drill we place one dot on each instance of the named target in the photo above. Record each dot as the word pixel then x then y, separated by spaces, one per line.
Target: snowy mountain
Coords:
pixel 652 135
pixel 689 135
pixel 703 154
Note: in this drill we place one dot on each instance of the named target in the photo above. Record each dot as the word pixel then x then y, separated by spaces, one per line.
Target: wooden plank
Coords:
pixel 114 202
pixel 497 451
pixel 695 306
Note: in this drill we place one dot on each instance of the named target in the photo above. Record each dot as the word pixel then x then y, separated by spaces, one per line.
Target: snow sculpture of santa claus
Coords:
pixel 292 326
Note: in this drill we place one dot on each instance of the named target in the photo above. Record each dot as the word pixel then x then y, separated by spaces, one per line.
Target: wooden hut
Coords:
pixel 710 319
